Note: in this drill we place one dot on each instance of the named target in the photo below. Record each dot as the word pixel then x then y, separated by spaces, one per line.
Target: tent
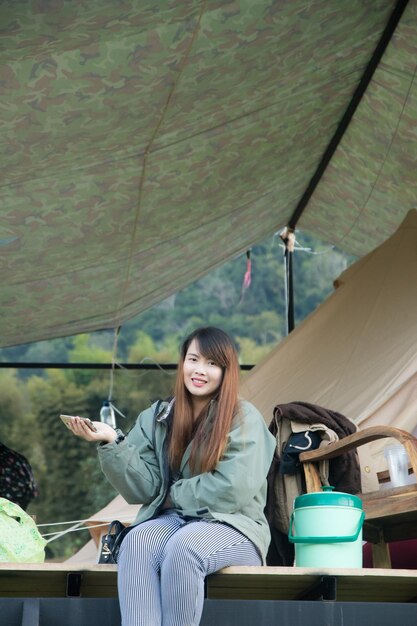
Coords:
pixel 98 523
pixel 137 135
pixel 117 508
pixel 357 352
pixel 89 553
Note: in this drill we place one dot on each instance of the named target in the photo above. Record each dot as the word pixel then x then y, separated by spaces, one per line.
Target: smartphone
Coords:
pixel 67 419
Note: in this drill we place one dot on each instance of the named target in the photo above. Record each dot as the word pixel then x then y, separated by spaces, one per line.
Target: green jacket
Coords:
pixel 233 493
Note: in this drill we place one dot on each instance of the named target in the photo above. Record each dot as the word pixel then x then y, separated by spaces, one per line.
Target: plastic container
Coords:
pixel 107 414
pixel 326 528
pixel 397 460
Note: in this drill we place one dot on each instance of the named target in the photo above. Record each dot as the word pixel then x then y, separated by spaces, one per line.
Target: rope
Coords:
pixel 76 526
pixel 113 361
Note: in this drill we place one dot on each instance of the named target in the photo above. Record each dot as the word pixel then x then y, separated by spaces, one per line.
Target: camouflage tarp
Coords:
pixel 145 142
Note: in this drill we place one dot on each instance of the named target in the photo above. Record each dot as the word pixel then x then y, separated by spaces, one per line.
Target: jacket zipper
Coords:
pixel 165 463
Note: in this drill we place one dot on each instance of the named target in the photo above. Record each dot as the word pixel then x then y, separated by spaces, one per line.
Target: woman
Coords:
pixel 199 469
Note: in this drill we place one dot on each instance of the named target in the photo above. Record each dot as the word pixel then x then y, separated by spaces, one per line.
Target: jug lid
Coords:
pixel 327 497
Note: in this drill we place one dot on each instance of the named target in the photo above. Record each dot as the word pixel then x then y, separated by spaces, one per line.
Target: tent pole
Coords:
pixel 385 39
pixel 288 237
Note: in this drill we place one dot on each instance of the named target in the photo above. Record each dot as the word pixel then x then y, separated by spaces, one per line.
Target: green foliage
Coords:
pixel 14 408
pixel 314 275
pixel 250 351
pixel 64 489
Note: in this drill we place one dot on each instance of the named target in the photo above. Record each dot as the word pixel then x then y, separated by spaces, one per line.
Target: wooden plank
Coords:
pixel 267 583
pixel 102 584
pixel 262 583
pixel 312 477
pixel 388 504
pixel 281 583
pixel 32 584
pixel 382 586
pixel 381 556
pixel 50 580
pixel 395 516
pixel 411 448
pixel 393 492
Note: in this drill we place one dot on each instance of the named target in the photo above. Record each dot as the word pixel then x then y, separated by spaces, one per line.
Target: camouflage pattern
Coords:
pixel 144 142
pixel 371 182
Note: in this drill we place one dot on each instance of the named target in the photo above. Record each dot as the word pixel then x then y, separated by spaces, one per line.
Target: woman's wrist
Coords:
pixel 108 438
pixel 119 436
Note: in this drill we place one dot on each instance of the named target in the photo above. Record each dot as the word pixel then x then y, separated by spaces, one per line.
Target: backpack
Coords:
pixel 17 482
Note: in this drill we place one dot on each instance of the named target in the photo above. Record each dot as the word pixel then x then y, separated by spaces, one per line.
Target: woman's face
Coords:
pixel 202 377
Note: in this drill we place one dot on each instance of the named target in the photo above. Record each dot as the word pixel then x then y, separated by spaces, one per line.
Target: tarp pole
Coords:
pixel 288 237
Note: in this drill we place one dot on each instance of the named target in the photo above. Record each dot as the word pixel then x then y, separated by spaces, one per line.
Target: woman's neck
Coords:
pixel 198 405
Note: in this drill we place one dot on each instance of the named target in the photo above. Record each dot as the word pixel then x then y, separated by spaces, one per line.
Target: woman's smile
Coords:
pixel 198 382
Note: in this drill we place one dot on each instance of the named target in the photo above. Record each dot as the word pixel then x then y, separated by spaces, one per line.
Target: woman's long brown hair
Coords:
pixel 209 440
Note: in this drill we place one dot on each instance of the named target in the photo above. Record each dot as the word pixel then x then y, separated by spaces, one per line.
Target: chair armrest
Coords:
pixel 362 437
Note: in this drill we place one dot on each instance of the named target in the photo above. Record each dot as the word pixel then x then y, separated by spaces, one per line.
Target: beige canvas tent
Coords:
pixel 98 523
pixel 357 353
pixel 119 509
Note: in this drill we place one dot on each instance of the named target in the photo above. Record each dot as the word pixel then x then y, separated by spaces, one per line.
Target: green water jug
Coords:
pixel 326 528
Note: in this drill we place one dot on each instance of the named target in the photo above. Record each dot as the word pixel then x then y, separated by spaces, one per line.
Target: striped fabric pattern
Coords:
pixel 163 564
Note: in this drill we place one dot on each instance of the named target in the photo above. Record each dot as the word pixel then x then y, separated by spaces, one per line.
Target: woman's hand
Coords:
pixel 104 432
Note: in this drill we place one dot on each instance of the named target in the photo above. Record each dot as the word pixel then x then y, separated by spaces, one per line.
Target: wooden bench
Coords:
pixel 57 580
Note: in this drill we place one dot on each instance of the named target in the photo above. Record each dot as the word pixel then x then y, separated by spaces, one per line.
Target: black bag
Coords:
pixel 111 542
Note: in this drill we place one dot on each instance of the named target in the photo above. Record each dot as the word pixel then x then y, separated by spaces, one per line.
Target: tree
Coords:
pixel 65 487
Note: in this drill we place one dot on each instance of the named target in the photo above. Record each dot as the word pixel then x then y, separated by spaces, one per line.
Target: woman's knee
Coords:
pixel 180 554
pixel 136 544
pixel 148 540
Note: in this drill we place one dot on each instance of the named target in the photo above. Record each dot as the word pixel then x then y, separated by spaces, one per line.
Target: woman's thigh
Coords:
pixel 148 539
pixel 210 546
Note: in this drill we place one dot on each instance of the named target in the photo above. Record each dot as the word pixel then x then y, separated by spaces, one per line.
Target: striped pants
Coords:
pixel 163 563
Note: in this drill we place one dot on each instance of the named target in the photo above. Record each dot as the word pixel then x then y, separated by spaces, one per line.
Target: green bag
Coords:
pixel 20 540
